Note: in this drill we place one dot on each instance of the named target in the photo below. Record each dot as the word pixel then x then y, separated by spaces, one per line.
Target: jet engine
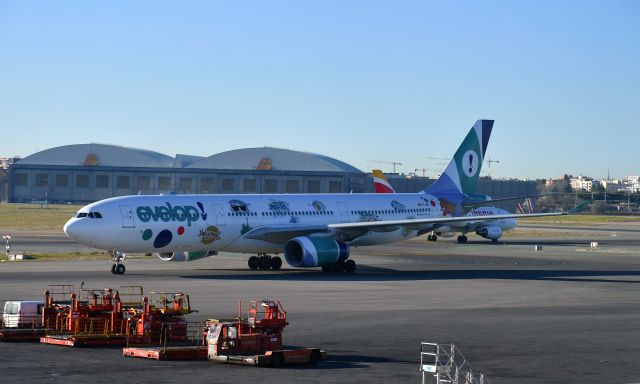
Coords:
pixel 315 252
pixel 185 256
pixel 491 232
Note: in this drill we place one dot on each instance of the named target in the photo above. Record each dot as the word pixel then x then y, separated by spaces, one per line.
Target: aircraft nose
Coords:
pixel 72 229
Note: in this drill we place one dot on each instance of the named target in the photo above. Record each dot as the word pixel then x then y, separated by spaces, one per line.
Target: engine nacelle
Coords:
pixel 185 256
pixel 491 232
pixel 314 252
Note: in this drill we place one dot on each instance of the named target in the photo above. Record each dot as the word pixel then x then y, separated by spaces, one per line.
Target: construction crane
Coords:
pixel 394 163
pixel 489 161
pixel 424 171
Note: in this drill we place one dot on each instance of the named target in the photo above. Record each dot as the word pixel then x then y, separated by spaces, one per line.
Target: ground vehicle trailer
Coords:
pixel 22 314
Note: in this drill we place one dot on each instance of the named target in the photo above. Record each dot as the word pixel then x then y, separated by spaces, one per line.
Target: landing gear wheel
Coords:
pixel 276 262
pixel 118 258
pixel 462 239
pixel 432 237
pixel 264 262
pixel 254 262
pixel 349 266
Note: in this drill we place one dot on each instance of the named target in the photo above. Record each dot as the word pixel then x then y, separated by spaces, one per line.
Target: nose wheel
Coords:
pixel 118 258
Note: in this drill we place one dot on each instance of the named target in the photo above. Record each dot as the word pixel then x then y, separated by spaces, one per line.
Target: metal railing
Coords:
pixel 446 364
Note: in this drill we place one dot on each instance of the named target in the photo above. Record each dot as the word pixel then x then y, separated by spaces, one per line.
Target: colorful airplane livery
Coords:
pixel 310 230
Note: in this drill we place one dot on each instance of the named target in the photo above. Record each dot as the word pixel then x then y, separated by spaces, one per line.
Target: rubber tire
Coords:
pixel 276 263
pixel 264 263
pixel 113 269
pixel 120 269
pixel 314 358
pixel 277 360
pixel 349 266
pixel 462 239
pixel 254 262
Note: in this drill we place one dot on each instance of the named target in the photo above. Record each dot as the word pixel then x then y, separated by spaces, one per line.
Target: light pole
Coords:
pixel 7 247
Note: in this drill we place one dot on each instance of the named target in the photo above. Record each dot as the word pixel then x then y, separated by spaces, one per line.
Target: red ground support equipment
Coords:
pixel 97 317
pixel 258 339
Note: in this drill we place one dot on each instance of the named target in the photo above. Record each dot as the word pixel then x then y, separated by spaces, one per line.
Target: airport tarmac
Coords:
pixel 566 314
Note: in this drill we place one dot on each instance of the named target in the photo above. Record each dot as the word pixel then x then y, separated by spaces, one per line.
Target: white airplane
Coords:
pixel 489 229
pixel 311 230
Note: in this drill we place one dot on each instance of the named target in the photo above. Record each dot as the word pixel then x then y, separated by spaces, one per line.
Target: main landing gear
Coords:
pixel 462 239
pixel 264 261
pixel 348 266
pixel 118 267
pixel 432 237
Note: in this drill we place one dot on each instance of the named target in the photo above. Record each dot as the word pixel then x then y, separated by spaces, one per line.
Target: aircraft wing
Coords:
pixel 419 224
pixel 280 234
pixel 478 203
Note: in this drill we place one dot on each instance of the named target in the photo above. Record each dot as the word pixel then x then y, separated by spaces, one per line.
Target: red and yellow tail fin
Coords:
pixel 381 183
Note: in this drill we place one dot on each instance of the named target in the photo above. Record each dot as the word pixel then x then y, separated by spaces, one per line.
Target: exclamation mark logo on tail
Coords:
pixel 471 163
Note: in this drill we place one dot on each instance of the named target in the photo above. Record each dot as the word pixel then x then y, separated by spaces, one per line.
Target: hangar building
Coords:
pixel 84 173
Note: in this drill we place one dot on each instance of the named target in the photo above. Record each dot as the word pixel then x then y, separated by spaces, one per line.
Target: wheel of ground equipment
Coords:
pixel 276 262
pixel 277 359
pixel 254 262
pixel 315 357
pixel 265 263
pixel 349 266
pixel 113 269
pixel 120 269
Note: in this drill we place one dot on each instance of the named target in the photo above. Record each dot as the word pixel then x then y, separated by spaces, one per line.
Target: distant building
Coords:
pixel 631 184
pixel 612 185
pixel 84 173
pixel 5 163
pixel 582 183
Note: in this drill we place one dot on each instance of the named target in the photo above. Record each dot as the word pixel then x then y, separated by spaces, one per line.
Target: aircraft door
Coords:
pixel 344 212
pixel 220 218
pixel 127 217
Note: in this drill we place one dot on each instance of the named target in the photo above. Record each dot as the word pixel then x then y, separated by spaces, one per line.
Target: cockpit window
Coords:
pixel 91 215
pixel 81 214
pixel 98 215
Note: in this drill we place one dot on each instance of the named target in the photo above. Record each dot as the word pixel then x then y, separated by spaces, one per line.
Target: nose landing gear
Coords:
pixel 118 258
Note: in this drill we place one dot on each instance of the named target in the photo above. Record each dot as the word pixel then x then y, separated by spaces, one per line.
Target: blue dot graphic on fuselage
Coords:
pixel 163 239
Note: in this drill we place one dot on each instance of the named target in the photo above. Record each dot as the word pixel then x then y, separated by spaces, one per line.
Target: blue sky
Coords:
pixel 356 80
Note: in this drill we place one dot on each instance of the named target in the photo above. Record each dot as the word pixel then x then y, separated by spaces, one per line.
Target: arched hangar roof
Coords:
pixel 103 155
pixel 277 159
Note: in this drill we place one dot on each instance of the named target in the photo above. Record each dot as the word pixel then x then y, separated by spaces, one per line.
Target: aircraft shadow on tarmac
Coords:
pixel 386 274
